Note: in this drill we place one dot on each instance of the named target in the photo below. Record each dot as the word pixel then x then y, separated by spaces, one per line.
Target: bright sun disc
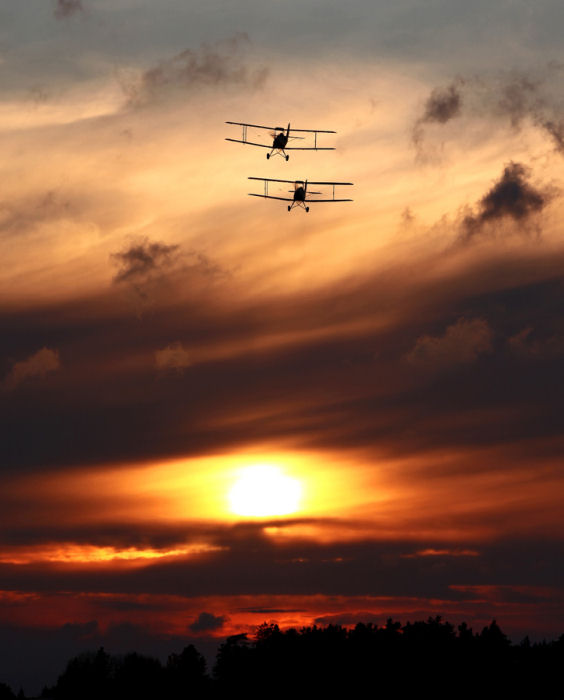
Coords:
pixel 262 491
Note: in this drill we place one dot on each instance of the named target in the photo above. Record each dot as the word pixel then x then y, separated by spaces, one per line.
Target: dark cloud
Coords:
pixel 513 197
pixel 211 65
pixel 442 105
pixel 207 622
pixel 306 567
pixel 142 259
pixel 515 96
pixel 325 390
pixel 67 8
pixel 153 268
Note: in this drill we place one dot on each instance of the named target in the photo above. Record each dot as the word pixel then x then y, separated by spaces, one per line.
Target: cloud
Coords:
pixel 289 370
pixel 442 105
pixel 512 197
pixel 37 365
pixel 516 96
pixel 173 357
pixel 18 217
pixel 67 8
pixel 524 345
pixel 207 622
pixel 142 259
pixel 211 65
pixel 461 344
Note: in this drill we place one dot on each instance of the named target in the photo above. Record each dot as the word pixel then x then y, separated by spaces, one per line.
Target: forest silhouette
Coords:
pixel 431 657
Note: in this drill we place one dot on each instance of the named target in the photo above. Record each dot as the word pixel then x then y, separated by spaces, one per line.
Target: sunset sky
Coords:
pixel 215 413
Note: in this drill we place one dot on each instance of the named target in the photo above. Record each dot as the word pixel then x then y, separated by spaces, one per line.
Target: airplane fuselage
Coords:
pixel 280 141
pixel 299 194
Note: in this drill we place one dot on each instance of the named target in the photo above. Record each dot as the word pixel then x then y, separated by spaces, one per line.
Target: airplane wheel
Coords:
pixel 307 209
pixel 267 156
pixel 289 207
pixel 287 158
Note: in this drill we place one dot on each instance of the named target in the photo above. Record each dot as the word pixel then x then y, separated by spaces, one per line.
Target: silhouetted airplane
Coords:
pixel 300 192
pixel 280 139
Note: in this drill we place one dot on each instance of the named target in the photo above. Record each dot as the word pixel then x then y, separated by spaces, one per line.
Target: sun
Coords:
pixel 263 490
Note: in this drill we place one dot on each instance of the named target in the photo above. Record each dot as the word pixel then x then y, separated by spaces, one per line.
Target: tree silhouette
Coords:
pixel 421 657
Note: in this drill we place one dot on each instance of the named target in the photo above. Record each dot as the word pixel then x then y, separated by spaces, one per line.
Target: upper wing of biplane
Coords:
pixel 273 129
pixel 266 180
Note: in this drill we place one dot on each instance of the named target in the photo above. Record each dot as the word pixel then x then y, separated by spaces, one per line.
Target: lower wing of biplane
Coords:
pixel 301 195
pixel 280 138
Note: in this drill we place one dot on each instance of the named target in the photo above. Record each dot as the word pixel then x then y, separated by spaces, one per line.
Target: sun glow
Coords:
pixel 263 490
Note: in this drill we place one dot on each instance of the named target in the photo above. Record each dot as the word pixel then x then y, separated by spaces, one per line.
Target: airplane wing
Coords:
pixel 313 131
pixel 255 126
pixel 311 201
pixel 310 182
pixel 269 196
pixel 305 148
pixel 269 179
pixel 274 128
pixel 250 143
pixel 286 148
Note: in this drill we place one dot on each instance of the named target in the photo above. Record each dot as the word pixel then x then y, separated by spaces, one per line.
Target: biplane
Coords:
pixel 301 194
pixel 280 138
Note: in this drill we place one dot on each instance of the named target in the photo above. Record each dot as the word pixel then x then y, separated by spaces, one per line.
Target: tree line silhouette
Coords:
pixel 392 660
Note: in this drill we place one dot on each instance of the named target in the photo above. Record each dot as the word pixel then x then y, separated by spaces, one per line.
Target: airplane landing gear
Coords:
pixel 289 207
pixel 307 209
pixel 287 158
pixel 267 156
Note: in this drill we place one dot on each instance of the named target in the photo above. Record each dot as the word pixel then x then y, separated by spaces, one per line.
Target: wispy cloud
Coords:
pixel 220 64
pixel 461 344
pixel 515 96
pixel 39 364
pixel 142 259
pixel 173 357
